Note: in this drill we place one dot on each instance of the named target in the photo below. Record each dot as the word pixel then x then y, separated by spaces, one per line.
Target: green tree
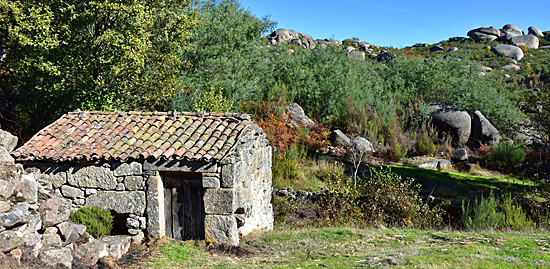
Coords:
pixel 58 55
pixel 225 53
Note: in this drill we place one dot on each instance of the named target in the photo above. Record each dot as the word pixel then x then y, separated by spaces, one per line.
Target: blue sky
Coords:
pixel 399 23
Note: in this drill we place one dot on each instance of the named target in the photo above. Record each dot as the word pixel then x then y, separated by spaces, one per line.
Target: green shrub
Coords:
pixel 505 156
pixel 391 200
pixel 483 214
pixel 98 221
pixel 425 144
pixel 514 216
pixel 382 198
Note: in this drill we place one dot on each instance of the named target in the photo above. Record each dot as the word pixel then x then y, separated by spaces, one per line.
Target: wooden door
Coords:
pixel 184 206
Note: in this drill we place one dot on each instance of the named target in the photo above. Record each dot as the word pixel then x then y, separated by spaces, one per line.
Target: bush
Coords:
pixel 483 215
pixel 98 221
pixel 505 156
pixel 384 198
pixel 391 200
pixel 514 216
pixel 425 144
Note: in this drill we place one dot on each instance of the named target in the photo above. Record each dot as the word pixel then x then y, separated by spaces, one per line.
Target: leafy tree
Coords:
pixel 225 53
pixel 63 55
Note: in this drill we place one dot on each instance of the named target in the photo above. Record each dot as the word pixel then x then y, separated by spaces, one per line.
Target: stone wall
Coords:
pixel 114 185
pixel 250 167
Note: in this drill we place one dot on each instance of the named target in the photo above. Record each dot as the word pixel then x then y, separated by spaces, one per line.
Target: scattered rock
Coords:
pixel 546 47
pixel 439 164
pixel 486 69
pixel 361 144
pixel 325 43
pixel 483 131
pixel 436 48
pixel 460 155
pixel 511 68
pixel 297 116
pixel 509 51
pixel 535 31
pixel 452 120
pixel 34 242
pixel 530 41
pixel 337 138
pixel 359 55
pixel 452 49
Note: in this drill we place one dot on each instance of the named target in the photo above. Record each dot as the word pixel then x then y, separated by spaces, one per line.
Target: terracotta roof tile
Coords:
pixel 132 135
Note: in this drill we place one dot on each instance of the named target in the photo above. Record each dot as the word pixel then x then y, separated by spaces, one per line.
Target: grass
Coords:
pixel 458 186
pixel 348 247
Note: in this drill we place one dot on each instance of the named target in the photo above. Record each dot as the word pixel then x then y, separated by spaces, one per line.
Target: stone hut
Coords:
pixel 176 174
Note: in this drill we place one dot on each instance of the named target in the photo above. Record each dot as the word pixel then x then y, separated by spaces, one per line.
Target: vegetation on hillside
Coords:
pixel 212 55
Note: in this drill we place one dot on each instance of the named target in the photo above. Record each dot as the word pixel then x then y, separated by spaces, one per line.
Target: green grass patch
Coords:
pixel 349 247
pixel 457 186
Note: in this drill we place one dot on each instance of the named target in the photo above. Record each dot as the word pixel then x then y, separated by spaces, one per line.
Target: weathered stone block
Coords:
pixel 55 256
pixel 155 202
pixel 7 140
pixel 210 182
pixel 132 223
pixel 90 191
pixel 92 177
pixel 52 240
pixel 134 183
pixel 15 216
pixel 128 169
pixel 90 252
pixel 117 245
pixel 122 202
pixel 34 242
pixel 71 192
pixel 56 176
pixel 69 231
pixel 231 173
pixel 219 201
pixel 53 211
pixel 4 206
pixel 29 188
pixel 10 240
pixel 221 229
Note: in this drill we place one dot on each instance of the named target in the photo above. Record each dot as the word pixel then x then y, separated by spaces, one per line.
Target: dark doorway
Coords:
pixel 184 205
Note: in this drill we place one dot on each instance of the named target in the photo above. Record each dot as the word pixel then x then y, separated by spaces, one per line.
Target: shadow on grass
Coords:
pixel 455 186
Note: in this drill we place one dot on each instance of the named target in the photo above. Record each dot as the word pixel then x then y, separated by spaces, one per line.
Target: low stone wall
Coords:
pixel 34 220
pixel 113 185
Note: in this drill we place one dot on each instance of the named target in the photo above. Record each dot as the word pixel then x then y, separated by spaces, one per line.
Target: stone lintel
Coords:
pixel 179 166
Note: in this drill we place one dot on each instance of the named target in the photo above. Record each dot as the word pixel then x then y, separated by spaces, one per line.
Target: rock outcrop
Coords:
pixel 453 121
pixel 292 37
pixel 483 131
pixel 297 116
pixel 484 34
pixel 509 51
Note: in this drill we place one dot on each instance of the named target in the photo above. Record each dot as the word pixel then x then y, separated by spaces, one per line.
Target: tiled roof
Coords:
pixel 134 135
